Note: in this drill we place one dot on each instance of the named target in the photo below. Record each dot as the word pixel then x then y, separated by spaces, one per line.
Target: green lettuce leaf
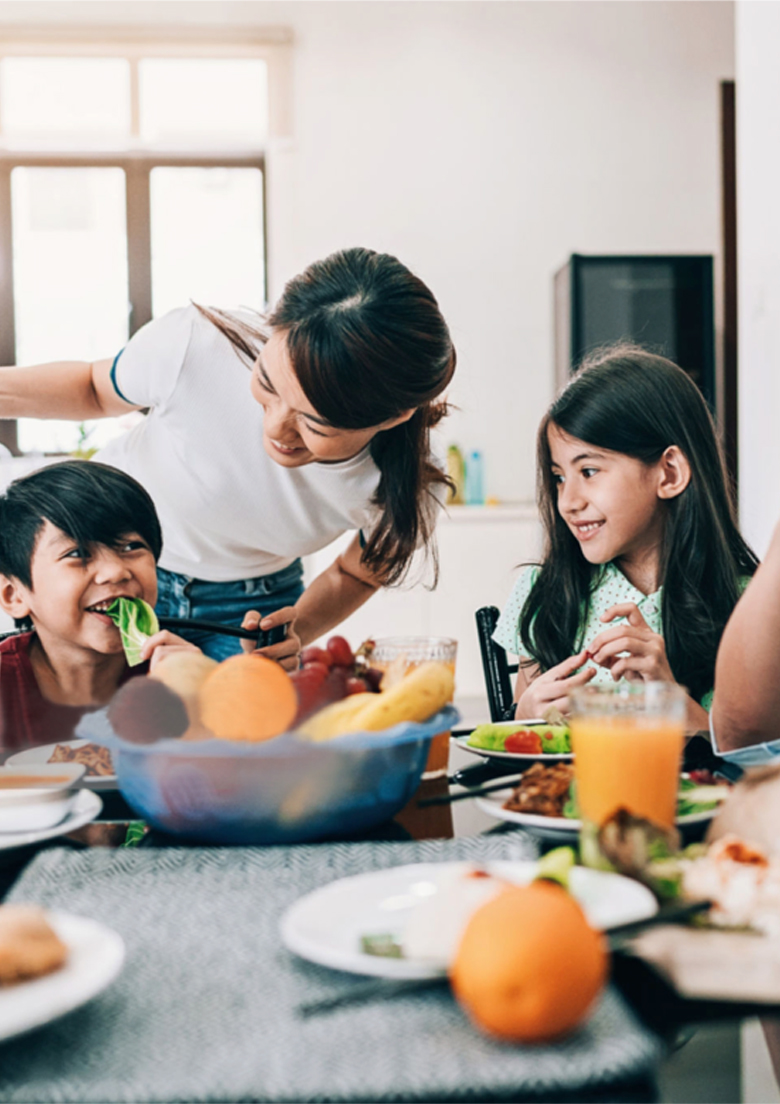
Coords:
pixel 490 736
pixel 571 809
pixel 555 739
pixel 556 866
pixel 136 621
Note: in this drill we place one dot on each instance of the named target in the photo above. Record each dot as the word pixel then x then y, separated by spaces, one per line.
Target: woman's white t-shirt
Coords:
pixel 227 510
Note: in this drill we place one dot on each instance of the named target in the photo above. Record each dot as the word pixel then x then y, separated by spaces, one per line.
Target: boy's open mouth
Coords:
pixel 99 608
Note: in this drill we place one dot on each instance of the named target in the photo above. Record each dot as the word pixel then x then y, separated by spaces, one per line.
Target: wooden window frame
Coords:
pixel 136 158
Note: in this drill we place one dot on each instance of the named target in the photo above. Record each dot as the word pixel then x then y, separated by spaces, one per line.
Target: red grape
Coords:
pixel 309 684
pixel 356 686
pixel 316 655
pixel 335 685
pixel 340 651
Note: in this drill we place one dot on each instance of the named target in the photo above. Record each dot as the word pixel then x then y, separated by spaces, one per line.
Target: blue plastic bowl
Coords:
pixel 284 790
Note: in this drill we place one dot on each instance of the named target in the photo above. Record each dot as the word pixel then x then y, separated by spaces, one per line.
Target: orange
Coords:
pixel 247 697
pixel 529 966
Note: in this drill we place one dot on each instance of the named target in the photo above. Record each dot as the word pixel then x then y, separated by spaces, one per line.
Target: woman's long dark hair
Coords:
pixel 368 342
pixel 629 401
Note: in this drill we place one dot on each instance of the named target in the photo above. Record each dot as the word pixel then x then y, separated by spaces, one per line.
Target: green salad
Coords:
pixel 537 739
pixel 692 797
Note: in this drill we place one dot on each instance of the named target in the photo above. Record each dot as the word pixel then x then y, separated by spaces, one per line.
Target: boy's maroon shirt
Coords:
pixel 27 718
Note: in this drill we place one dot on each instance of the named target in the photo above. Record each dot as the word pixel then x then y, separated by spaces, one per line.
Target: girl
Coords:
pixel 639 536
pixel 264 443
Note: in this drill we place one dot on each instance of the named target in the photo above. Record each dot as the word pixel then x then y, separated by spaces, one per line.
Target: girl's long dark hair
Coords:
pixel 633 402
pixel 368 342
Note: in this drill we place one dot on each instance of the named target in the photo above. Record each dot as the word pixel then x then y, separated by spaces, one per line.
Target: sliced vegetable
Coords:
pixel 489 736
pixel 524 742
pixel 570 809
pixel 694 798
pixel 382 945
pixel 556 866
pixel 136 621
pixel 555 740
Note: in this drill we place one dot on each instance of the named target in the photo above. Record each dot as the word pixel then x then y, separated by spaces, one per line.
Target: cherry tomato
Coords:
pixel 524 742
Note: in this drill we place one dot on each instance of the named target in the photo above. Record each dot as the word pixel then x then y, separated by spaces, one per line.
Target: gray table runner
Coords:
pixel 203 1010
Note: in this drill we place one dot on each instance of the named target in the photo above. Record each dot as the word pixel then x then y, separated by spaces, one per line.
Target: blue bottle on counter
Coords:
pixel 475 495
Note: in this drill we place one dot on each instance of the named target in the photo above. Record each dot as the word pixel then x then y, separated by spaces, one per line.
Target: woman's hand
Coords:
pixel 646 660
pixel 287 651
pixel 552 688
pixel 165 643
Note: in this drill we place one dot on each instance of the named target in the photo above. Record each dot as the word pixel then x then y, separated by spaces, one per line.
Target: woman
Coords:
pixel 329 433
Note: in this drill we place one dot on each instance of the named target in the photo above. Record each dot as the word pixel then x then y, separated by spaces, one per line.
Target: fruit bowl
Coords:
pixel 283 790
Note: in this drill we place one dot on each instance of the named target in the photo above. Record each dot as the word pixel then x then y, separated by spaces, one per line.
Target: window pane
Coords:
pixel 222 101
pixel 207 237
pixel 70 279
pixel 42 97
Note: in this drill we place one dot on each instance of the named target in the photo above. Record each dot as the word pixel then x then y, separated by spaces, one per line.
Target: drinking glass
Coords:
pixel 627 741
pixel 412 651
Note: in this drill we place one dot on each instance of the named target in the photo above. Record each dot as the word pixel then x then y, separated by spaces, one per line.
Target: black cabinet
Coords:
pixel 663 303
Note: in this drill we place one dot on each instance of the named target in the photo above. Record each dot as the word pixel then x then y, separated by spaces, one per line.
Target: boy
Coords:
pixel 73 537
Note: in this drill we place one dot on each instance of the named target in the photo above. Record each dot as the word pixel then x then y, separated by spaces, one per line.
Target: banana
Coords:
pixel 420 694
pixel 331 721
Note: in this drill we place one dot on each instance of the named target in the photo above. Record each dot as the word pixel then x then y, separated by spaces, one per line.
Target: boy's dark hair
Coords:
pixel 628 400
pixel 91 502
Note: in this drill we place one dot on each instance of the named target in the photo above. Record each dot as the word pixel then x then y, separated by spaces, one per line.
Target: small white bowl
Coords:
pixel 33 798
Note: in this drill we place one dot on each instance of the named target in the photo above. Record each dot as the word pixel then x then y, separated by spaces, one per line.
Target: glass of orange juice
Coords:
pixel 627 741
pixel 411 651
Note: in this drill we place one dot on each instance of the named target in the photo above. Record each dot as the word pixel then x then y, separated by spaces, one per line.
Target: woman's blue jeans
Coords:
pixel 183 596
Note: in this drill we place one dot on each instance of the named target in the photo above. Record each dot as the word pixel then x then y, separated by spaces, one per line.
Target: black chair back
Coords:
pixel 495 666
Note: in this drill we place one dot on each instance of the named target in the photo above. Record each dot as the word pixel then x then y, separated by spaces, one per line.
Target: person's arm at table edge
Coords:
pixel 746 703
pixel 73 390
pixel 336 593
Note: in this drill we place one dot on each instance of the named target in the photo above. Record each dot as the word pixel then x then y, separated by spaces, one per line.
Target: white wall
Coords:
pixel 483 143
pixel 758 223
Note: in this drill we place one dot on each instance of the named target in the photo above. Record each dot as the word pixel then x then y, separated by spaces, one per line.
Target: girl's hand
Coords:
pixel 164 643
pixel 552 688
pixel 288 651
pixel 646 660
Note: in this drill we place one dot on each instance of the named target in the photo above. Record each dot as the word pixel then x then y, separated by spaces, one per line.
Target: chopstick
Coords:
pixel 667 914
pixel 386 989
pixel 477 791
pixel 263 637
pixel 366 991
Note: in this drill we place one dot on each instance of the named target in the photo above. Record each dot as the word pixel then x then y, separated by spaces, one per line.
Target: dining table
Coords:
pixel 208 1005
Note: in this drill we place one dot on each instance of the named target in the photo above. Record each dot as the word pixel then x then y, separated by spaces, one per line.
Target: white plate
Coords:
pixel 515 756
pixel 95 956
pixel 559 829
pixel 84 810
pixel 326 926
pixel 37 756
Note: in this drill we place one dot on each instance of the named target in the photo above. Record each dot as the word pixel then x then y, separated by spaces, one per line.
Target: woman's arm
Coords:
pixel 746 706
pixel 335 594
pixel 69 389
